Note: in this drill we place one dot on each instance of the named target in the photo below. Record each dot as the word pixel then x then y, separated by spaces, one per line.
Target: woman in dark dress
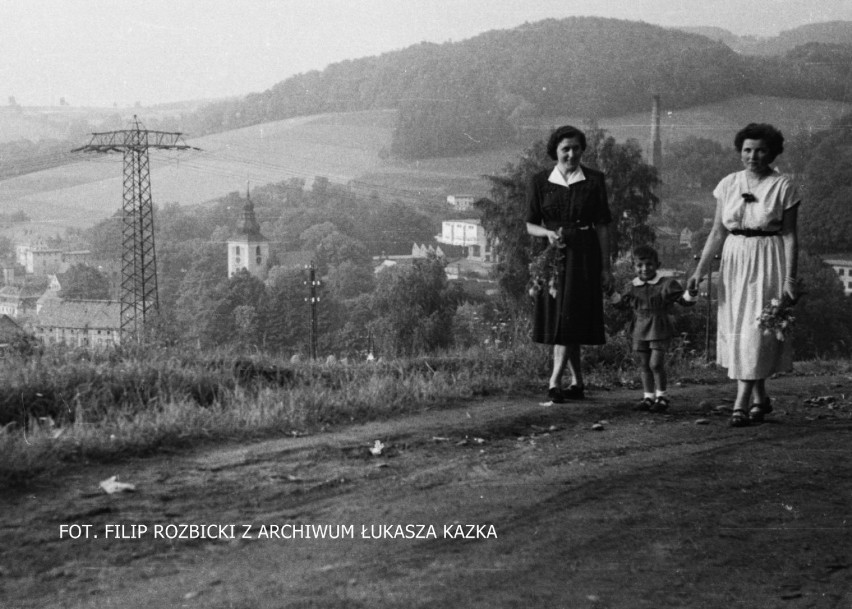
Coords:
pixel 570 201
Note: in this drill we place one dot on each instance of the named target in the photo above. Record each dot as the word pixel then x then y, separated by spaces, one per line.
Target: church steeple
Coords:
pixel 248 248
pixel 247 223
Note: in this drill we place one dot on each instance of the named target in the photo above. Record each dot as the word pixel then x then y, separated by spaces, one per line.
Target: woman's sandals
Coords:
pixel 759 411
pixel 739 418
pixel 757 414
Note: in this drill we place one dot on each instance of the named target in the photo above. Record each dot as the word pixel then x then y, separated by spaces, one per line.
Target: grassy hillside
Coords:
pixel 348 147
pixel 339 147
pixel 69 122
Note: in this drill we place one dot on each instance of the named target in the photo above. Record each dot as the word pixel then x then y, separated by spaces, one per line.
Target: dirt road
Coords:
pixel 499 502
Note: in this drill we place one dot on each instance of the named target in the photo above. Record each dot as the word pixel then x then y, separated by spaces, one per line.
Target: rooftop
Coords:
pixel 80 314
pixel 839 258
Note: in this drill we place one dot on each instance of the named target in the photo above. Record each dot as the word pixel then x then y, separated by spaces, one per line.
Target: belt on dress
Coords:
pixel 748 232
pixel 576 226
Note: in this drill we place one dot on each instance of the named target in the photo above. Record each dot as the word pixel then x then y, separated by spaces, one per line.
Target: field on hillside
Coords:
pixel 340 148
pixel 349 148
pixel 718 121
pixel 53 122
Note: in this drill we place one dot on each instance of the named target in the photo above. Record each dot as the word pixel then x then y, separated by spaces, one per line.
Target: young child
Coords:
pixel 651 298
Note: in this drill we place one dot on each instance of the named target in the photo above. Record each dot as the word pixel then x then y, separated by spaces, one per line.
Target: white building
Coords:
pixel 469 234
pixel 44 261
pixel 842 265
pixel 247 248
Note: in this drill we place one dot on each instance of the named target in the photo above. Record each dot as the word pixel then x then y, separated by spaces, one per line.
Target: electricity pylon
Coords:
pixel 139 296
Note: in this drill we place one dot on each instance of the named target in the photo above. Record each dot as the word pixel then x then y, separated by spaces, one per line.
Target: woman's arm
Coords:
pixel 712 247
pixel 790 235
pixel 539 231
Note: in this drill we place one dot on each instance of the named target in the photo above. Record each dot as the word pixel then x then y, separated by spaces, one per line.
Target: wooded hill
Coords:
pixel 460 97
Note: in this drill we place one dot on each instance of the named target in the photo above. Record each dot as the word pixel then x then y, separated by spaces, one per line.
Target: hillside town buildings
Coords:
pixel 18 301
pixel 79 323
pixel 40 260
pixel 471 235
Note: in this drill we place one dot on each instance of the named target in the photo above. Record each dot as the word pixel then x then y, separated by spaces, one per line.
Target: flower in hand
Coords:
pixel 546 268
pixel 777 317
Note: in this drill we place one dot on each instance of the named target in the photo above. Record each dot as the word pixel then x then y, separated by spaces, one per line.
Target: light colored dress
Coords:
pixel 751 274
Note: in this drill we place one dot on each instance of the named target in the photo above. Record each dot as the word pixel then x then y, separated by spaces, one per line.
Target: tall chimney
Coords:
pixel 656 144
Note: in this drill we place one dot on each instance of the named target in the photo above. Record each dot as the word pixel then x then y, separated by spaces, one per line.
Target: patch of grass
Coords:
pixel 70 405
pixel 66 405
pixel 823 367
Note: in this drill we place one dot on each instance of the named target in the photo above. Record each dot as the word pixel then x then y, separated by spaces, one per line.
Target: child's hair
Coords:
pixel 646 252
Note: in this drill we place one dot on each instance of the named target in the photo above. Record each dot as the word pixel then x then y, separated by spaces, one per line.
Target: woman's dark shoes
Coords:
pixel 759 411
pixel 555 395
pixel 575 392
pixel 644 405
pixel 661 404
pixel 739 418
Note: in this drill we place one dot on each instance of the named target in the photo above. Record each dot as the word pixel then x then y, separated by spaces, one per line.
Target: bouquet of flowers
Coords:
pixel 546 267
pixel 777 317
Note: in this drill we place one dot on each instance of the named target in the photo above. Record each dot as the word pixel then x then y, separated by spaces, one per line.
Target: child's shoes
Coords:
pixel 575 392
pixel 661 404
pixel 644 405
pixel 555 395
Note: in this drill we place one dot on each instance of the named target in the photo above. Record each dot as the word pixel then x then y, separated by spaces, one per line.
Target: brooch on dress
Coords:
pixel 749 198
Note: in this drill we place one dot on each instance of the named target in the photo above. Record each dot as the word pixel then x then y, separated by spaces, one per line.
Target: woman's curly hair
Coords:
pixel 563 133
pixel 761 131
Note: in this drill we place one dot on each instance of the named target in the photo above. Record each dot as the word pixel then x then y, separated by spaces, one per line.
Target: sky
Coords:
pixel 106 52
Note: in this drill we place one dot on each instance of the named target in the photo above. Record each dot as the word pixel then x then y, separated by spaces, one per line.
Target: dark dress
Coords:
pixel 575 315
pixel 652 304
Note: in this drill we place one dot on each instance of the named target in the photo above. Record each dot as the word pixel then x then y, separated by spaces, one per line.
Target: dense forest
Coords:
pixel 458 97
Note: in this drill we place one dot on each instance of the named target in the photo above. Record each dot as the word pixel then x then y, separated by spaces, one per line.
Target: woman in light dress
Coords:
pixel 755 227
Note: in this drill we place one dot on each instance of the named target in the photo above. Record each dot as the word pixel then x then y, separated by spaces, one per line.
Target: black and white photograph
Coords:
pixel 426 304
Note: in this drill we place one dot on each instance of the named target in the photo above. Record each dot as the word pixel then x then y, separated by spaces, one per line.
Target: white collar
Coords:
pixel 575 176
pixel 639 283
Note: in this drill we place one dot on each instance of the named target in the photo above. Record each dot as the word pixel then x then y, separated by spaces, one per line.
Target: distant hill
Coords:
pixel 830 32
pixel 594 66
pixel 459 97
